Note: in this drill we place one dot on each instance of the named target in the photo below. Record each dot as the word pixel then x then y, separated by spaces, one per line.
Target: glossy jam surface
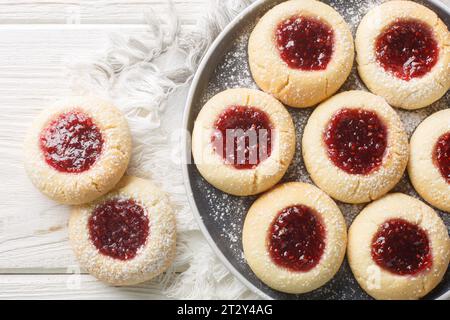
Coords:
pixel 119 228
pixel 296 238
pixel 401 247
pixel 407 49
pixel 243 136
pixel 305 43
pixel 442 155
pixel 71 143
pixel 356 140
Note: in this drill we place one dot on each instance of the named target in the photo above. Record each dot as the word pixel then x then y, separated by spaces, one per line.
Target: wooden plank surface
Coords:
pixel 36 45
pixel 93 11
pixel 72 287
pixel 33 231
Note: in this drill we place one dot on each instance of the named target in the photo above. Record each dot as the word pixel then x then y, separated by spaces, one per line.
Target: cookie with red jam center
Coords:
pixel 429 163
pixel 355 147
pixel 301 52
pixel 77 150
pixel 294 238
pixel 243 141
pixel 127 236
pixel 402 54
pixel 398 248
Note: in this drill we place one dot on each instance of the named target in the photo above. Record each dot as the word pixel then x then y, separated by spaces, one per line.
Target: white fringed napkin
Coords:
pixel 147 76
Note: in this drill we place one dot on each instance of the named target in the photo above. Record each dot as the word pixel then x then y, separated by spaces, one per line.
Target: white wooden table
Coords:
pixel 36 43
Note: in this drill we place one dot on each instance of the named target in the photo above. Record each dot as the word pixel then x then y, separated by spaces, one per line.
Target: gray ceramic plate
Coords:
pixel 221 216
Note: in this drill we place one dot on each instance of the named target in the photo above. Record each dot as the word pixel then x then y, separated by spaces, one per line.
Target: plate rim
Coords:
pixel 186 152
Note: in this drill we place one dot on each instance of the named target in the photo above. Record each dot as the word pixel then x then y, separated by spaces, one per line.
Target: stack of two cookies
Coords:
pixel 122 229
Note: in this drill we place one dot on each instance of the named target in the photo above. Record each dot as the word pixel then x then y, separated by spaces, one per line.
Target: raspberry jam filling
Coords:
pixel 72 142
pixel 305 43
pixel 442 155
pixel 243 136
pixel 118 228
pixel 356 140
pixel 407 49
pixel 296 238
pixel 401 247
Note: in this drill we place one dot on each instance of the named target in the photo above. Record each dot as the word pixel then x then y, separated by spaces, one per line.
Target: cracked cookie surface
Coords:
pixel 243 141
pixel 294 238
pixel 126 237
pixel 355 147
pixel 398 248
pixel 428 165
pixel 403 54
pixel 301 52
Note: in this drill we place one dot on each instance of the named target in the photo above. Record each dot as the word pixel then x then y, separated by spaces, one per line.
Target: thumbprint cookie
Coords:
pixel 355 147
pixel 398 248
pixel 243 141
pixel 127 236
pixel 294 238
pixel 77 150
pixel 429 163
pixel 403 54
pixel 301 52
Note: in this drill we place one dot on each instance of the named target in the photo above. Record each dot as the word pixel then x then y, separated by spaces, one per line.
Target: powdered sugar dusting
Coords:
pixel 353 12
pixel 224 214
